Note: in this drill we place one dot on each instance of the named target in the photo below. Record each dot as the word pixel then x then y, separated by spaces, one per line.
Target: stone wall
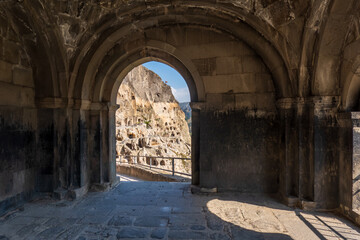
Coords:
pixel 18 121
pixel 239 152
pixel 238 120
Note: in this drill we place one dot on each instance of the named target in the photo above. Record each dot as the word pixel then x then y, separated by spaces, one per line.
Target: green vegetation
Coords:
pixel 147 122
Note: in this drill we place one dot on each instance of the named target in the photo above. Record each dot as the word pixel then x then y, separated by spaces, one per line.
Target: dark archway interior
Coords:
pixel 274 93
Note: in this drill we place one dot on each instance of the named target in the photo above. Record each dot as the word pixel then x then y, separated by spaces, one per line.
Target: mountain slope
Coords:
pixel 150 121
pixel 185 107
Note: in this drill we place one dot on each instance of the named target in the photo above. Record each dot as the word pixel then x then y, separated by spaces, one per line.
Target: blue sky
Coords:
pixel 173 78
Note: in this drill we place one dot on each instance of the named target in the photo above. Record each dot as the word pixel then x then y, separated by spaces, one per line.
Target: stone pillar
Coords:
pixel 112 144
pixel 306 151
pixel 53 140
pixel 74 148
pixel 289 164
pixel 102 145
pixel 349 164
pixel 45 150
pixel 61 141
pixel 355 117
pixel 348 123
pixel 195 143
pixel 84 148
pixel 94 145
pixel 62 146
pixel 326 163
pixel 74 136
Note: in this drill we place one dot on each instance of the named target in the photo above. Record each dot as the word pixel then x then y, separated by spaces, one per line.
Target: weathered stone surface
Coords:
pixel 205 66
pixel 11 52
pixel 255 144
pixel 120 221
pixel 151 221
pixel 50 232
pixel 23 77
pixel 132 233
pixel 243 216
pixel 28 230
pixel 158 233
pixel 251 64
pixel 98 232
pixel 197 227
pixel 219 236
pixel 214 223
pixel 246 63
pixel 94 219
pixel 6 71
pixel 186 235
pixel 12 95
pixel 71 232
pixel 187 220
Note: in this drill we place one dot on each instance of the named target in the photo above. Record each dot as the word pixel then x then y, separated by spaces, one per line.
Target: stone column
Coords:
pixel 61 158
pixel 289 164
pixel 62 147
pixel 112 144
pixel 74 147
pixel 77 150
pixel 195 143
pixel 84 147
pixel 45 150
pixel 95 145
pixel 78 145
pixel 348 123
pixel 355 117
pixel 52 149
pixel 102 145
pixel 326 148
pixel 305 131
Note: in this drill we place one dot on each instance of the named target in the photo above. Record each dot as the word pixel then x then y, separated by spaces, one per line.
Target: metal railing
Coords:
pixel 136 161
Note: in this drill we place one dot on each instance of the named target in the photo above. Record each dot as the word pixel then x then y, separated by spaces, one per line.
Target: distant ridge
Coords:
pixel 185 107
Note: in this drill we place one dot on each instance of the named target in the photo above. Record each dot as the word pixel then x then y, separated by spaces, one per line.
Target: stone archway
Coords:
pixel 285 73
pixel 160 55
pixel 201 54
pixel 230 64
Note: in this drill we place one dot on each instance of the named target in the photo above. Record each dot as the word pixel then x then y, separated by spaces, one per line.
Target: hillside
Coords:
pixel 150 121
pixel 185 107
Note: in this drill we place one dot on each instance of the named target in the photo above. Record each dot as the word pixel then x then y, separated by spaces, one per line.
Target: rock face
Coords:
pixel 150 122
pixel 185 107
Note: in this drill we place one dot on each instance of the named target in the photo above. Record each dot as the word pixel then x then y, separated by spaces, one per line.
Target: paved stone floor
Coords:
pixel 161 210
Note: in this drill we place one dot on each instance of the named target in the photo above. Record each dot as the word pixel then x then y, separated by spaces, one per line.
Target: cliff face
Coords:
pixel 185 107
pixel 150 121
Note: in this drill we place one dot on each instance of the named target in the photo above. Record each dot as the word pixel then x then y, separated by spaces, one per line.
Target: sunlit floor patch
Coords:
pixel 247 215
pixel 127 178
pixel 329 226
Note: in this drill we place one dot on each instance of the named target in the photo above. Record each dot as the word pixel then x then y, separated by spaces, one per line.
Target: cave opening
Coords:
pixel 153 101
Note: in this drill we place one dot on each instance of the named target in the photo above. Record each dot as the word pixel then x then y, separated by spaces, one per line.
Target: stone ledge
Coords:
pixel 201 190
pixel 145 174
pixel 291 201
pixel 77 192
